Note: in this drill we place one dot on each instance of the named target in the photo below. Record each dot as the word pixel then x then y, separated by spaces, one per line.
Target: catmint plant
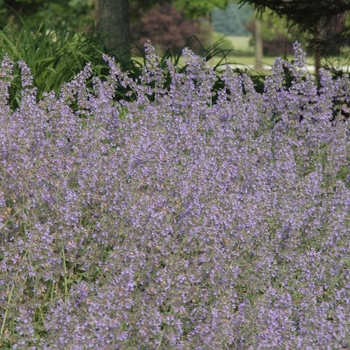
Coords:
pixel 173 222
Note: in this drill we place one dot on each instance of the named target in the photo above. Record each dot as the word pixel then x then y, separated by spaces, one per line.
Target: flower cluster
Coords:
pixel 175 223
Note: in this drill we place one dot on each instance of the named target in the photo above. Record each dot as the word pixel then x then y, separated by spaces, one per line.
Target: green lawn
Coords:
pixel 242 43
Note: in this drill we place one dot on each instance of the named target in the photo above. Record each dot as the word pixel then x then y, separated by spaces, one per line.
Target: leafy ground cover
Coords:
pixel 167 221
pixel 55 55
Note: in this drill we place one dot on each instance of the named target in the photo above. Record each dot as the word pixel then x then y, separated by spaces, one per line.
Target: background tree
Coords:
pixel 325 20
pixel 232 20
pixel 79 14
pixel 114 23
pixel 115 18
pixel 200 8
pixel 167 28
pixel 277 38
pixel 258 44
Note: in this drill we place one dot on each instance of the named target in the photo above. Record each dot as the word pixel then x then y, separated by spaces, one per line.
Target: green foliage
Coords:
pixel 54 55
pixel 198 8
pixel 278 37
pixel 272 26
pixel 78 12
pixel 309 15
pixel 326 23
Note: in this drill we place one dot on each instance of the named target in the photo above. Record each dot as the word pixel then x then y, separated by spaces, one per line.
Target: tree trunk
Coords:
pixel 258 45
pixel 114 24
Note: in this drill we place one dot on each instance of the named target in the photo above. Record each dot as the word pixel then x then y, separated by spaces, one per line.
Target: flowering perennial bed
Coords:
pixel 176 223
